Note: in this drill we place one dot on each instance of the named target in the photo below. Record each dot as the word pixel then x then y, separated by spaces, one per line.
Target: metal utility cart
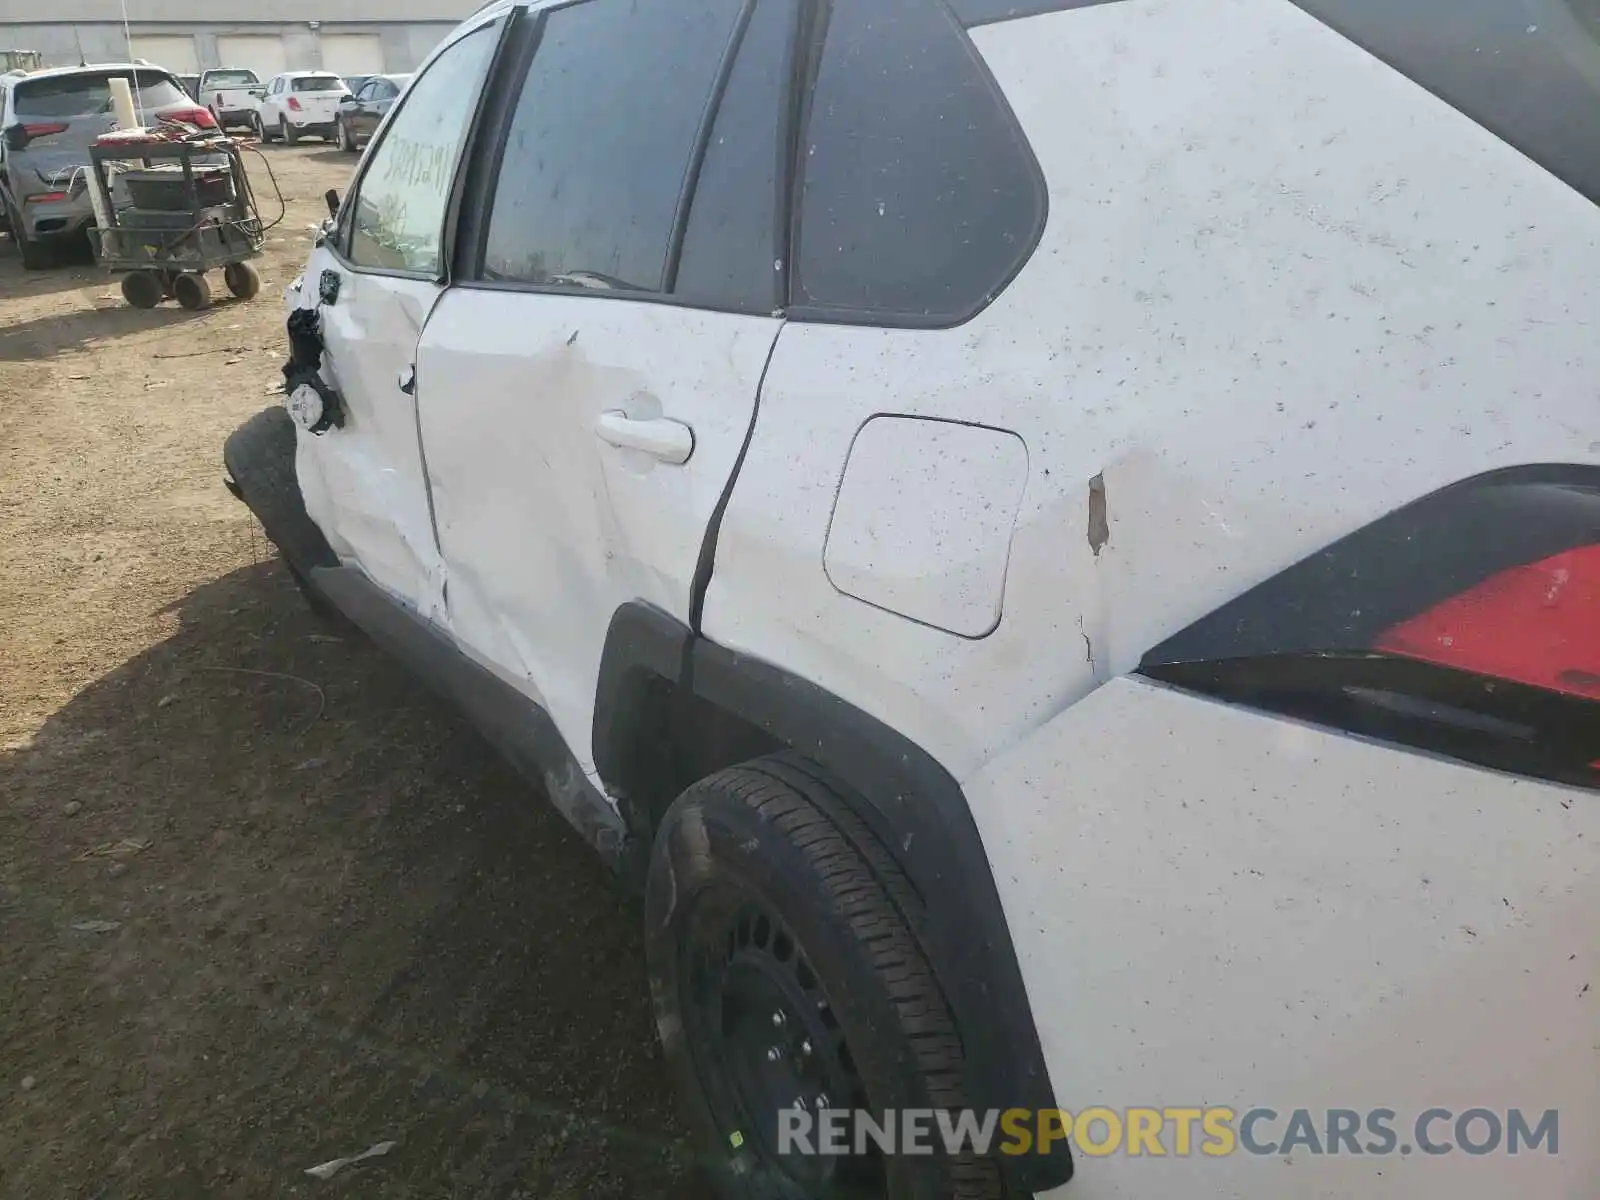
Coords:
pixel 168 211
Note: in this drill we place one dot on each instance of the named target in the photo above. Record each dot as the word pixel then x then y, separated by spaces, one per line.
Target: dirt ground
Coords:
pixel 264 901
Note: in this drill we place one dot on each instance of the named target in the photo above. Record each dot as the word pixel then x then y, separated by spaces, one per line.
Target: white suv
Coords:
pixel 299 104
pixel 1058 542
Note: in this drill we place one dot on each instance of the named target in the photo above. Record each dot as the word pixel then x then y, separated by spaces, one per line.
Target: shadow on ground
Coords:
pixel 46 337
pixel 265 902
pixel 74 267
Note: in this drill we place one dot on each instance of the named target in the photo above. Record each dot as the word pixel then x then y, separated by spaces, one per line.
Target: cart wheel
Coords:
pixel 142 289
pixel 192 291
pixel 243 280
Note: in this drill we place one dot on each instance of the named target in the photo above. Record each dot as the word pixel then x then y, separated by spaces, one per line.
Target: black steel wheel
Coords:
pixel 243 280
pixel 786 976
pixel 143 289
pixel 192 291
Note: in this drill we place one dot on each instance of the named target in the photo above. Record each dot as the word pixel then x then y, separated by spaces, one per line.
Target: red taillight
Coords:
pixel 192 116
pixel 49 130
pixel 1537 624
pixel 46 197
pixel 294 103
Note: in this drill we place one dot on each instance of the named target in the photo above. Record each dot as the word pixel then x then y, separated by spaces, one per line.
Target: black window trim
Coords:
pixel 822 314
pixel 509 21
pixel 483 178
pixel 697 154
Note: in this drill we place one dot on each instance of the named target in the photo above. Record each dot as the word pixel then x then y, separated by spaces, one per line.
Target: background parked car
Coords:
pixel 190 84
pixel 354 82
pixel 232 94
pixel 300 104
pixel 48 121
pixel 361 114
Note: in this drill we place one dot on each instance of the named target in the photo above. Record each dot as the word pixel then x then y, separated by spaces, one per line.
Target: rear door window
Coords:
pixel 921 197
pixel 86 95
pixel 1527 70
pixel 600 148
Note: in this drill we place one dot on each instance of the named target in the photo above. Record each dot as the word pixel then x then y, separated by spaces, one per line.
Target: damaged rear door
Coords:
pixel 613 316
pixel 375 282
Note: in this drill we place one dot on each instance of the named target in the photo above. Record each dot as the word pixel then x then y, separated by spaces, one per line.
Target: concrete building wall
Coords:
pixel 142 12
pixel 405 43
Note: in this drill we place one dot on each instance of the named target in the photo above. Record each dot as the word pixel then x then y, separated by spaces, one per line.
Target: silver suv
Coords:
pixel 48 121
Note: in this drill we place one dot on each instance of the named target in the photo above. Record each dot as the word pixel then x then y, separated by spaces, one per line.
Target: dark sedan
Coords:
pixel 361 113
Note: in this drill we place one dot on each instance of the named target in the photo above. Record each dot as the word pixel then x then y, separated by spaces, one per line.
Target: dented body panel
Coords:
pixel 367 487
pixel 546 528
pixel 1256 326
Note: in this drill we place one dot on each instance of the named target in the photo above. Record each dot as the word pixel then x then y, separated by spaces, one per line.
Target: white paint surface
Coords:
pixel 922 522
pixel 1282 291
pixel 1216 907
pixel 364 483
pixel 545 525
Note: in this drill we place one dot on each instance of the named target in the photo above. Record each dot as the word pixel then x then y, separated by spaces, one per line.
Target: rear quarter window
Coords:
pixel 920 197
pixel 1527 70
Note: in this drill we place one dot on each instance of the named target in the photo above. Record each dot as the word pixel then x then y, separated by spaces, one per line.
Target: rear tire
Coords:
pixel 243 280
pixel 143 289
pixel 35 255
pixel 782 960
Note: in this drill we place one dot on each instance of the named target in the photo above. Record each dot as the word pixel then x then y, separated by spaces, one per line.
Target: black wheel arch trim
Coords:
pixel 913 806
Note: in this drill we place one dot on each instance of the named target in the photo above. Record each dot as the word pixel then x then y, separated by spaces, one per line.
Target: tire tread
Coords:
pixel 871 894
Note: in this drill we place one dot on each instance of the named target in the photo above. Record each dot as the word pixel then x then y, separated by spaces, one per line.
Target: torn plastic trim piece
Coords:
pixel 312 403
